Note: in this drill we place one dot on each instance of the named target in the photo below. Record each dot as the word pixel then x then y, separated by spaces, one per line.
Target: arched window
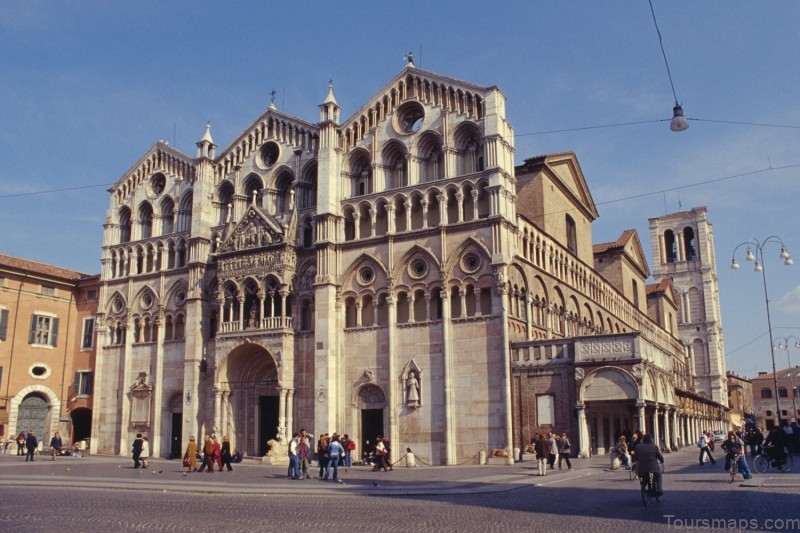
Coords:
pixel 469 150
pixel 225 196
pixel 360 175
pixel 167 216
pixel 146 220
pixel 282 187
pixel 689 245
pixel 670 247
pixel 395 166
pixel 253 185
pixel 124 225
pixel 572 236
pixel 185 213
pixel 307 188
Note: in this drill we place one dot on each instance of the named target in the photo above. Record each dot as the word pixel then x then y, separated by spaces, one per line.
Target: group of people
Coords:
pixel 212 453
pixel 548 447
pixel 332 450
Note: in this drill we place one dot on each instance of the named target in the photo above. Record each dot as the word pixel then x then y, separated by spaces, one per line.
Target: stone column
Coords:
pixel 289 412
pixel 241 312
pixel 282 393
pixel 656 429
pixel 667 432
pixel 158 386
pixel 460 204
pixel 583 431
pixel 217 411
pixel 640 406
pixel 424 204
pixel 447 378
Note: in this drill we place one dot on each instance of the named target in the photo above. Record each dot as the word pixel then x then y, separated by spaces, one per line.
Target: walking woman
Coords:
pixel 225 456
pixel 190 458
pixel 145 453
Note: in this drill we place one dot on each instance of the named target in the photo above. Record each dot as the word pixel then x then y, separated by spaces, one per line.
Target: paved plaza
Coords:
pixel 107 494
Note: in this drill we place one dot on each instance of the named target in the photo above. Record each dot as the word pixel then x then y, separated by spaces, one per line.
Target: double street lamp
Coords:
pixel 783 342
pixel 758 257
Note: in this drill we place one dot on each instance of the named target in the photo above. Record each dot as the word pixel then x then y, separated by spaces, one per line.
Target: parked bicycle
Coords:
pixel 763 461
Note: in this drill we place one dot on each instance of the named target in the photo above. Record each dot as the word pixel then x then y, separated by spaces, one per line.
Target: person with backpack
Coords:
pixel 702 443
pixel 349 448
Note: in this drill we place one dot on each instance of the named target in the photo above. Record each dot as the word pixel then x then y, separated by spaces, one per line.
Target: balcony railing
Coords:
pixel 264 324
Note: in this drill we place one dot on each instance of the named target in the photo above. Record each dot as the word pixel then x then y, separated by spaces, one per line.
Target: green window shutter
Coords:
pixel 32 334
pixel 3 324
pixel 76 383
pixel 54 332
pixel 88 385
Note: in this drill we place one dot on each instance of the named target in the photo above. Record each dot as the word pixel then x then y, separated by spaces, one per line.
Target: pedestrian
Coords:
pixel 217 454
pixel 335 454
pixel 225 453
pixel 349 448
pixel 304 453
pixel 21 443
pixel 55 445
pixel 553 449
pixel 542 453
pixel 190 457
pixel 757 442
pixel 322 453
pixel 294 459
pixel 380 450
pixel 622 452
pixel 31 442
pixel 649 457
pixel 145 455
pixel 702 443
pixel 387 453
pixel 208 455
pixel 137 450
pixel 564 451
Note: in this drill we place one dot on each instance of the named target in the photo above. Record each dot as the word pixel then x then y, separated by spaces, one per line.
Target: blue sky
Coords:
pixel 87 87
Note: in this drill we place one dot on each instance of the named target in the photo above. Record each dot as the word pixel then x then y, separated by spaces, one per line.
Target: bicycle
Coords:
pixel 634 471
pixel 649 488
pixel 734 469
pixel 763 461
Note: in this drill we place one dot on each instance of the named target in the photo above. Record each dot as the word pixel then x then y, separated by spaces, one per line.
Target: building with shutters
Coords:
pixel 47 348
pixel 390 273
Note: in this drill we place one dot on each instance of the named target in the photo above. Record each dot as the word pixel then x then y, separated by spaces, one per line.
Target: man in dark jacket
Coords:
pixel 31 442
pixel 137 450
pixel 649 456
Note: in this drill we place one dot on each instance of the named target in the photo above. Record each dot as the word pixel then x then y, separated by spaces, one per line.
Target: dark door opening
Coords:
pixel 267 421
pixel 371 427
pixel 81 424
pixel 177 435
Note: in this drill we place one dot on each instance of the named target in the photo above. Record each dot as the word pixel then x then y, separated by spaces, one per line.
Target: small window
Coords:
pixel 769 413
pixel 766 393
pixel 83 382
pixel 44 330
pixel 87 341
pixel 47 290
pixel 3 324
pixel 783 392
pixel 572 235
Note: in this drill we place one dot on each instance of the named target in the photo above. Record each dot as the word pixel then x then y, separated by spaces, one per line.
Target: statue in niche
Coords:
pixel 253 316
pixel 228 214
pixel 412 387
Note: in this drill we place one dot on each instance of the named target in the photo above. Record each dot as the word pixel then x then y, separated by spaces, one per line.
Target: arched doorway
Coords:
pixel 610 396
pixel 371 405
pixel 81 423
pixel 34 414
pixel 249 412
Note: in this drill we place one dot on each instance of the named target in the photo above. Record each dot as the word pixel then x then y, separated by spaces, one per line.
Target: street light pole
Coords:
pixel 759 267
pixel 783 342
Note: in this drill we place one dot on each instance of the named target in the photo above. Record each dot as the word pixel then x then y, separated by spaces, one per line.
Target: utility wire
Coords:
pixel 17 195
pixel 661 44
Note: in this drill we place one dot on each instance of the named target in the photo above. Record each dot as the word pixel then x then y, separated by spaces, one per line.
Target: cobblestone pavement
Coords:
pixel 100 494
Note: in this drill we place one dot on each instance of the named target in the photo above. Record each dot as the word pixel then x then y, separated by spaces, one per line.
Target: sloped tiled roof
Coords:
pixel 26 265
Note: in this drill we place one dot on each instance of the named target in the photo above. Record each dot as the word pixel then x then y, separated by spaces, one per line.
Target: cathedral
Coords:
pixel 391 273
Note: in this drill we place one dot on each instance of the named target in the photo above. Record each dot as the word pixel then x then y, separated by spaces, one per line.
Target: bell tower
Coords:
pixel 683 249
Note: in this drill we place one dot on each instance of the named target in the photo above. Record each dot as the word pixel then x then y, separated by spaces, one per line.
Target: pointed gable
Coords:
pixel 255 229
pixel 629 246
pixel 160 158
pixel 565 172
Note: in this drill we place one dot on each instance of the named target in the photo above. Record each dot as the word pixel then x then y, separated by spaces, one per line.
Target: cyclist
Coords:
pixel 734 451
pixel 648 456
pixel 775 443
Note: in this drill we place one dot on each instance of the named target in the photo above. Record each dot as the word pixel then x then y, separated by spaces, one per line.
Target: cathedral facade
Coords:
pixel 391 273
